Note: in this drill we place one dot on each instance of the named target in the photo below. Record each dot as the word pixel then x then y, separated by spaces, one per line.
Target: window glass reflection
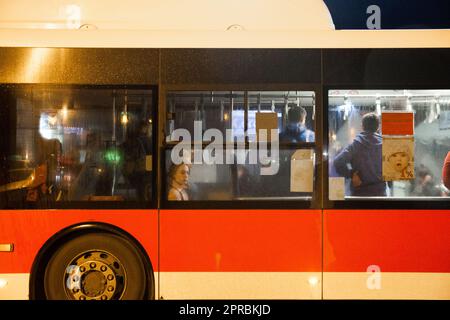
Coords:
pixel 65 145
pixel 376 163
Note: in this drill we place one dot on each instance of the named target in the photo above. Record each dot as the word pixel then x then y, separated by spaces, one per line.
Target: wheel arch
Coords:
pixel 36 287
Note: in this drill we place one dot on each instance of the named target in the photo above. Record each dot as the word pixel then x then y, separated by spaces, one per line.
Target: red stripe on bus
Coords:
pixel 394 240
pixel 252 240
pixel 241 240
pixel 28 230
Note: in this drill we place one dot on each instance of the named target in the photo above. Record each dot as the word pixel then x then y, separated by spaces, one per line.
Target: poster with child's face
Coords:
pixel 398 159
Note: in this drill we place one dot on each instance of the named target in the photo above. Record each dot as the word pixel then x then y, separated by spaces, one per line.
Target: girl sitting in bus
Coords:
pixel 178 182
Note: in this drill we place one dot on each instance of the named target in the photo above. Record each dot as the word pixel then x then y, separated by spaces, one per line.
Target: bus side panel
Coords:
pixel 390 67
pixel 240 254
pixel 386 254
pixel 232 66
pixel 16 227
pixel 93 66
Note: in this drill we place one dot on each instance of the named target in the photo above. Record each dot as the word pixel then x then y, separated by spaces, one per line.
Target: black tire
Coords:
pixel 127 262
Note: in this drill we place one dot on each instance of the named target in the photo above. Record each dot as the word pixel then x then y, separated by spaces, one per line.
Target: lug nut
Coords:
pixel 92 265
pixel 110 277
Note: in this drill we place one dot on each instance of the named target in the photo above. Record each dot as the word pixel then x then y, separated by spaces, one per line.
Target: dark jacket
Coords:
pixel 363 156
pixel 296 132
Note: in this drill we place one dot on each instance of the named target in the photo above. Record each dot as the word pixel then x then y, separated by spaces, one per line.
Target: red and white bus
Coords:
pixel 89 103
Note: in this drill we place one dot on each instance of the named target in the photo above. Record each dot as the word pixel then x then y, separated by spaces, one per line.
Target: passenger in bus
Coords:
pixel 361 160
pixel 87 183
pixel 48 155
pixel 178 182
pixel 446 171
pixel 424 184
pixel 296 130
pixel 136 148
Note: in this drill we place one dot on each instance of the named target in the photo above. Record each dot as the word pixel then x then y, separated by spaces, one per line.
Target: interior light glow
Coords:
pixel 378 102
pixel 3 283
pixel 124 118
pixel 409 104
pixel 313 281
pixel 64 112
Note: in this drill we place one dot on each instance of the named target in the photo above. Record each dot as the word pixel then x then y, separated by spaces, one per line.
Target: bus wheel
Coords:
pixel 95 267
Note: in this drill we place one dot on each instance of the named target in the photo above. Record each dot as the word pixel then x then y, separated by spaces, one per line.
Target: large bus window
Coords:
pixel 78 144
pixel 387 143
pixel 230 123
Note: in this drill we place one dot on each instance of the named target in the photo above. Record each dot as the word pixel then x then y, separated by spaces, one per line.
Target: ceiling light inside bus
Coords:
pixel 438 107
pixel 378 102
pixel 409 104
pixel 124 118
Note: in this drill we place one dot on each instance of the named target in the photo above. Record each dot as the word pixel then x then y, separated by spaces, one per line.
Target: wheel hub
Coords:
pixel 95 275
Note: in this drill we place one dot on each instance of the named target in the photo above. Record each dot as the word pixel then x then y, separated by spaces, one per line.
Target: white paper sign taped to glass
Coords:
pixel 302 171
pixel 398 159
pixel 336 188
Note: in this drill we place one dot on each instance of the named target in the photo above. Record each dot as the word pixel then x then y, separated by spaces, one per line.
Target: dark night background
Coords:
pixel 395 14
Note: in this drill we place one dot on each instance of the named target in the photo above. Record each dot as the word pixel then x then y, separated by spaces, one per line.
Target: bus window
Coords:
pixel 245 166
pixel 387 143
pixel 78 144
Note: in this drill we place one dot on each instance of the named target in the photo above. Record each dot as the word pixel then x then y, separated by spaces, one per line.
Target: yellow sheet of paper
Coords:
pixel 148 163
pixel 266 121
